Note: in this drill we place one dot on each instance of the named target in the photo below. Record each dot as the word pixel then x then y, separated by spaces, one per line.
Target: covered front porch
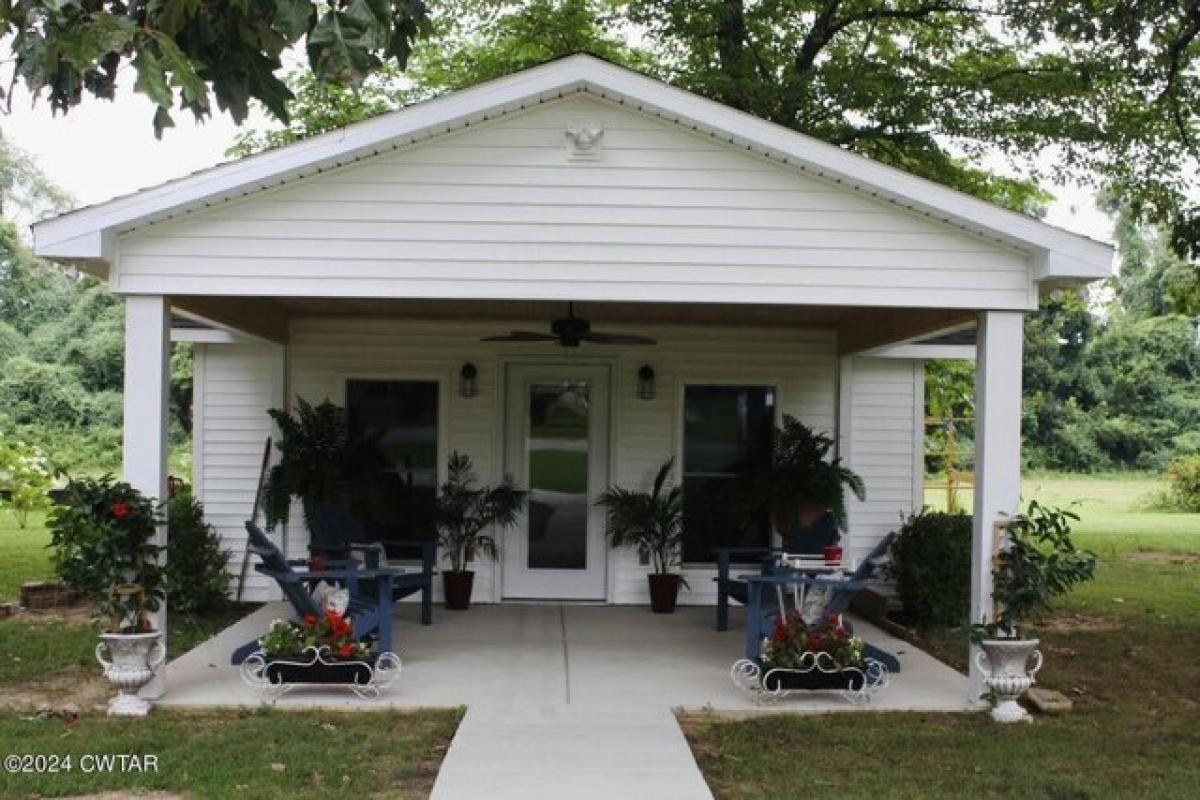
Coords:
pixel 548 657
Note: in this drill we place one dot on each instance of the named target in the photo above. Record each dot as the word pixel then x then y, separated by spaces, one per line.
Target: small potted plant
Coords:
pixel 103 538
pixel 1038 563
pixel 651 522
pixel 464 512
pixel 811 656
pixel 802 481
pixel 320 462
pixel 318 649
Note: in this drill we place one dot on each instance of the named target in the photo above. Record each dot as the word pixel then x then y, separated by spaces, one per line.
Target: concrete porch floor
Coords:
pixel 519 657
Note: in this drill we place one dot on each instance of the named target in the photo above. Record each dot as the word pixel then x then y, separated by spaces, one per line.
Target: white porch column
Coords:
pixel 147 375
pixel 998 349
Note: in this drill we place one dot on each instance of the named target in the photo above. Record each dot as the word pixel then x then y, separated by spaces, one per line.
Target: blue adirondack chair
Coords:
pixel 730 588
pixel 808 541
pixel 370 609
pixel 761 612
pixel 342 534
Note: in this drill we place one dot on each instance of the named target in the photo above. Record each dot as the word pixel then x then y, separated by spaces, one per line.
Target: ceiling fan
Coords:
pixel 571 331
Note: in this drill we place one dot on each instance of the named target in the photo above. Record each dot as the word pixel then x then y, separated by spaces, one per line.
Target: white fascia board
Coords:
pixel 928 352
pixel 552 80
pixel 203 335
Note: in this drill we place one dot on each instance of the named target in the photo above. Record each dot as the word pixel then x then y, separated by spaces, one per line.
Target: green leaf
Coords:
pixel 371 18
pixel 292 18
pixel 152 80
pixel 162 121
pixel 183 74
pixel 335 49
pixel 170 16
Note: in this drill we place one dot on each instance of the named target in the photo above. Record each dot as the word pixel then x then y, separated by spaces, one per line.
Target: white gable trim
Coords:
pixel 81 234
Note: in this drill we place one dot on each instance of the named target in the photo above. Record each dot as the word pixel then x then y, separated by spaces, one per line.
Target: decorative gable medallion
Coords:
pixel 583 142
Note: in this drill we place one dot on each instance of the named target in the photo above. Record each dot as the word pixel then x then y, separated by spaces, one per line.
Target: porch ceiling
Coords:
pixel 859 328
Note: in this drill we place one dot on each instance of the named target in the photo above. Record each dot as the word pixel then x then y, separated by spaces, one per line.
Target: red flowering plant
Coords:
pixel 103 541
pixel 795 644
pixel 330 633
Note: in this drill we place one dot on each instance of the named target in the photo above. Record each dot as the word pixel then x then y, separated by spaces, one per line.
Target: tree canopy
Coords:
pixel 993 98
pixel 190 52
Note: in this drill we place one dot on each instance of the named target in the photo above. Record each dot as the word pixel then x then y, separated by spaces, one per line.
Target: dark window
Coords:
pixel 400 418
pixel 726 433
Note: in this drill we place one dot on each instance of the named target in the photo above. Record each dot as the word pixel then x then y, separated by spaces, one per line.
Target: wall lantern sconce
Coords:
pixel 645 384
pixel 468 380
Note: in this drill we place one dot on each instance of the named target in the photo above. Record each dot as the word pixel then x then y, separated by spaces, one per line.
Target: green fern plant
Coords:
pixel 317 459
pixel 801 472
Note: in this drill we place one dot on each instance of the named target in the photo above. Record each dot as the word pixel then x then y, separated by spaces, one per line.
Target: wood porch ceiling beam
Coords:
pixel 868 329
pixel 258 317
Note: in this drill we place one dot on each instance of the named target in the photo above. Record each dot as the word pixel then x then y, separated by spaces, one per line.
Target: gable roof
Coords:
pixel 86 235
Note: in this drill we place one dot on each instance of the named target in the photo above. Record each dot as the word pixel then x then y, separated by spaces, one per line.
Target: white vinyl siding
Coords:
pixel 883 443
pixel 236 383
pixel 234 386
pixel 325 352
pixel 499 211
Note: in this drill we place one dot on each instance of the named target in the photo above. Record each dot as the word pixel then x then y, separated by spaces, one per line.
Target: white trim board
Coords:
pixel 87 234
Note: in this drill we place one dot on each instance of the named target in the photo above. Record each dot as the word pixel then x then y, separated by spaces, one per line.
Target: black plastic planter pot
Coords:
pixel 664 591
pixel 774 680
pixel 457 586
pixel 280 671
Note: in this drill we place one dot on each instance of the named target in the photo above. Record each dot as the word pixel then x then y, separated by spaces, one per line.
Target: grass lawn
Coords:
pixel 23 554
pixel 48 657
pixel 1126 648
pixel 58 643
pixel 257 754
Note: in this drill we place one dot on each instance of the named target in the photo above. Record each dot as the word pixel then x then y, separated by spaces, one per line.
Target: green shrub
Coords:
pixel 931 565
pixel 24 477
pixel 197 567
pixel 32 391
pixel 1183 484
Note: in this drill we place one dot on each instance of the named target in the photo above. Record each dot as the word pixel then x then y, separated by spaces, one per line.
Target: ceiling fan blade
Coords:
pixel 521 336
pixel 598 337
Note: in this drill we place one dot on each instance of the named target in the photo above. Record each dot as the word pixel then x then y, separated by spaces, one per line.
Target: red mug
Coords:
pixel 833 554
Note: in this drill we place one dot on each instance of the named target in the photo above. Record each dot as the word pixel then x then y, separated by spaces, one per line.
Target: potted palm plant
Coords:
pixel 1038 563
pixel 103 541
pixel 802 479
pixel 464 513
pixel 651 522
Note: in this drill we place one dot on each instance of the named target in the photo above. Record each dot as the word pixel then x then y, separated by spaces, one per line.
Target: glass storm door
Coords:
pixel 557 447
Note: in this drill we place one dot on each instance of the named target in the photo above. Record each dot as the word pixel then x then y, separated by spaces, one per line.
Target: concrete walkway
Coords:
pixel 564 701
pixel 570 752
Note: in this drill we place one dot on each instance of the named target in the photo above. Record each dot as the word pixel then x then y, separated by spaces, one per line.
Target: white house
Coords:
pixel 775 274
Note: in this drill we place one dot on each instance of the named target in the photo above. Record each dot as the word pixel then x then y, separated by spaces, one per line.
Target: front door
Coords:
pixel 557 447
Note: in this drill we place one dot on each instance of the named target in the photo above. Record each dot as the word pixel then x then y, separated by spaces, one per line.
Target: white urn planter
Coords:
pixel 132 659
pixel 1006 671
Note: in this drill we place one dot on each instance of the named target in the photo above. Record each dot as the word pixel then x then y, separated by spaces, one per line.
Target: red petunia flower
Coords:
pixel 310 620
pixel 120 509
pixel 345 651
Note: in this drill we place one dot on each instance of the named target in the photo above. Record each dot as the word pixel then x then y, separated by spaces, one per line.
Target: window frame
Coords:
pixel 443 381
pixel 760 380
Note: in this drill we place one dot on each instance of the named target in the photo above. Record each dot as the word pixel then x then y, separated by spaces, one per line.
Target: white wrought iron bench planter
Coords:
pixel 817 673
pixel 274 677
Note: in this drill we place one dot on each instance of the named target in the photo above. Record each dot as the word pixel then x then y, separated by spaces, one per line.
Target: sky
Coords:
pixel 103 149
